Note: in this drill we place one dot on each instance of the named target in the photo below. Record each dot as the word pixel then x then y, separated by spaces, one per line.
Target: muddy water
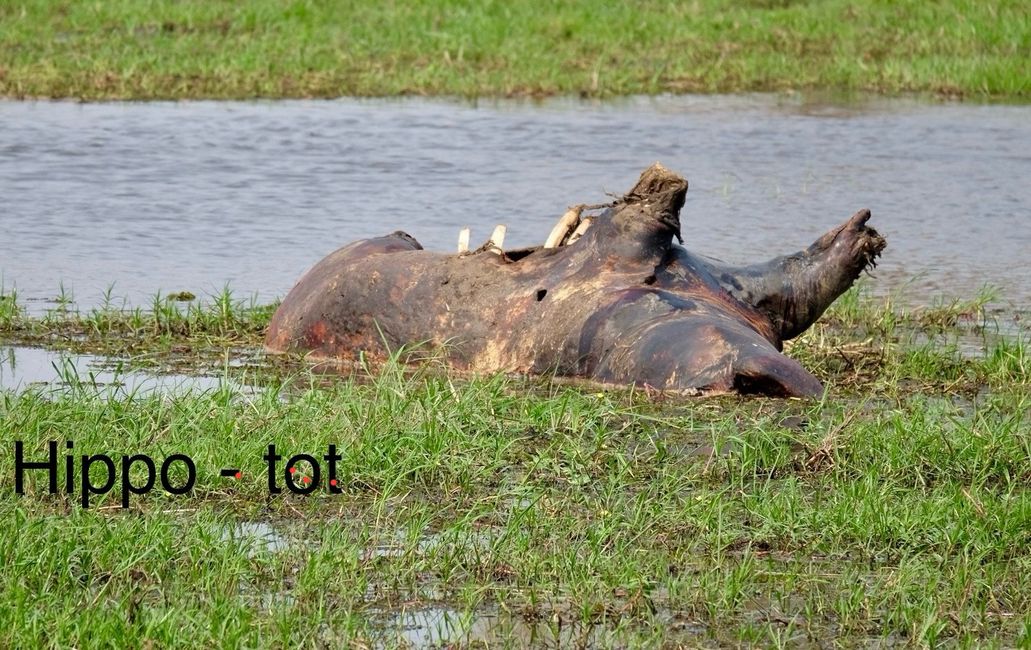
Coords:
pixel 190 196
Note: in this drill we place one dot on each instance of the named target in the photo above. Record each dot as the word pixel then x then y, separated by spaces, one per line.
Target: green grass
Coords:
pixel 529 511
pixel 178 331
pixel 140 49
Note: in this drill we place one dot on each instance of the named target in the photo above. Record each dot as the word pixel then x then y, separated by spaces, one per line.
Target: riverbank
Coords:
pixel 270 49
pixel 512 511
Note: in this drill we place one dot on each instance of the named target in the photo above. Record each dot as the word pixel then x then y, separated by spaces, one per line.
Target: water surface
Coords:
pixel 56 371
pixel 147 197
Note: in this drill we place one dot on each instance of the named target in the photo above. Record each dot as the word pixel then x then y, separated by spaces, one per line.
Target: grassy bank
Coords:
pixel 138 49
pixel 504 511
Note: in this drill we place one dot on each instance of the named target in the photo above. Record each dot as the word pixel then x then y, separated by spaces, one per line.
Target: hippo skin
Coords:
pixel 622 304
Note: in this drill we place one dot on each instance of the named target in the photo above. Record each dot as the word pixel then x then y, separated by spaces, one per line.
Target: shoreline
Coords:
pixel 829 97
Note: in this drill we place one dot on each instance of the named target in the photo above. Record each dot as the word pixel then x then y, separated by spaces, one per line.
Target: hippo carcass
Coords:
pixel 620 304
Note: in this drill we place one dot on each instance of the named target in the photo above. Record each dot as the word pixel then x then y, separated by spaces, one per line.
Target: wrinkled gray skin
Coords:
pixel 785 288
pixel 623 304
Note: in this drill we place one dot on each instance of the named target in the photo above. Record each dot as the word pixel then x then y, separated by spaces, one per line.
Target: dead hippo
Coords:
pixel 619 302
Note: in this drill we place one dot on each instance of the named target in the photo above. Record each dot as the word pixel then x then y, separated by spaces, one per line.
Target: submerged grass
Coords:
pixel 504 511
pixel 127 49
pixel 178 330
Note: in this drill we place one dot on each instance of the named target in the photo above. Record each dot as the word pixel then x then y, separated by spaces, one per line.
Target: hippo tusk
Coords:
pixel 585 223
pixel 463 240
pixel 497 240
pixel 564 228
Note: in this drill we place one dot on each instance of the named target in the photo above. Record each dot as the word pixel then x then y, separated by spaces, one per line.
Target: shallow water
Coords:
pixel 22 368
pixel 445 627
pixel 256 536
pixel 142 197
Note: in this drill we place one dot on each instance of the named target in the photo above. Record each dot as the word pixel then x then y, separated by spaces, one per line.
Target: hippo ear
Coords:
pixel 650 212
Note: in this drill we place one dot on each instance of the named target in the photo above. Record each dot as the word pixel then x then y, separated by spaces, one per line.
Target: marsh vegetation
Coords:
pixel 498 510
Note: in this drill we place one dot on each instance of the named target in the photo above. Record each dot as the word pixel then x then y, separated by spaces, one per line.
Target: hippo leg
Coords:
pixel 794 290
